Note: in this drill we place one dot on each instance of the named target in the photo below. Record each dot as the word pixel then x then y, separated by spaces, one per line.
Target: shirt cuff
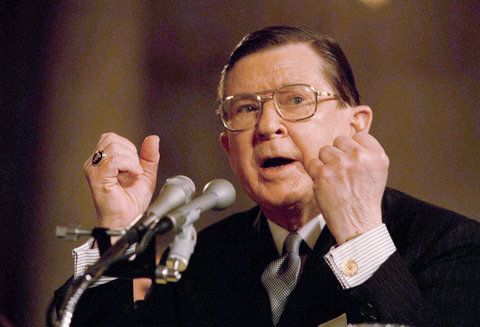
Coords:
pixel 357 260
pixel 85 255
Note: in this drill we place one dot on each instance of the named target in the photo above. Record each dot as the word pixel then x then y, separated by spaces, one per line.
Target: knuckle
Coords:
pixel 385 160
pixel 337 141
pixel 342 162
pixel 325 172
pixel 112 159
pixel 116 160
pixel 104 188
pixel 356 152
pixel 324 151
pixel 113 147
pixel 109 137
pixel 345 164
pixel 360 155
pixel 131 145
pixel 340 140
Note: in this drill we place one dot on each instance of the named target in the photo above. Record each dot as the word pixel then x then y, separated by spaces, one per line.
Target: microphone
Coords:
pixel 177 191
pixel 217 194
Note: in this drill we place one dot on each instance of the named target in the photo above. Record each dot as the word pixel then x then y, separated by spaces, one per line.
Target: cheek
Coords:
pixel 240 159
pixel 342 122
pixel 311 138
pixel 240 155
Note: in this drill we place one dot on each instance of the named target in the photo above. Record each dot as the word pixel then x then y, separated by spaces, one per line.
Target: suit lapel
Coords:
pixel 248 261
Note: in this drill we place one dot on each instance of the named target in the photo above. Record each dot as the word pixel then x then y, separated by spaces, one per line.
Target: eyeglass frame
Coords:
pixel 263 99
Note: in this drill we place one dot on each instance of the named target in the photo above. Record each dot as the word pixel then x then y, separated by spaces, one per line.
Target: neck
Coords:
pixel 291 218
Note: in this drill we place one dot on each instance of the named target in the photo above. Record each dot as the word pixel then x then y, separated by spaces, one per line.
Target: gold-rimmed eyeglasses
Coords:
pixel 294 102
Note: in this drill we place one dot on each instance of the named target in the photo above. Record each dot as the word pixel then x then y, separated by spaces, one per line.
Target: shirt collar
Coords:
pixel 309 232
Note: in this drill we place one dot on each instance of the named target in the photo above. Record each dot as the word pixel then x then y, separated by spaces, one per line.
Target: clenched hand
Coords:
pixel 349 180
pixel 122 184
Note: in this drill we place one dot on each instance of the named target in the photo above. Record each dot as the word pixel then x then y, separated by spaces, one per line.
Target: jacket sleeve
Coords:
pixel 109 304
pixel 434 282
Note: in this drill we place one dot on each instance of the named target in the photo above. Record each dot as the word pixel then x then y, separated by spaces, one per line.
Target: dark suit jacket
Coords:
pixel 433 279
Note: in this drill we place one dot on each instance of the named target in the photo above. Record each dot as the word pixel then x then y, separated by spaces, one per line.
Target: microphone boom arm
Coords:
pixel 217 194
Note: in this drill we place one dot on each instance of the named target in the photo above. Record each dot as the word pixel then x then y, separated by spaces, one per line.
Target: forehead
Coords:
pixel 276 67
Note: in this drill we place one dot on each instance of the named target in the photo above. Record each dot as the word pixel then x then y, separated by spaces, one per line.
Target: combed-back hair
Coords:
pixel 336 68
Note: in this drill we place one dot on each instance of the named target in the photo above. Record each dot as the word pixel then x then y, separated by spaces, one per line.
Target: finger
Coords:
pixel 124 152
pixel 115 164
pixel 150 154
pixel 345 144
pixel 110 137
pixel 104 142
pixel 313 166
pixel 112 149
pixel 368 141
pixel 330 154
pixel 119 151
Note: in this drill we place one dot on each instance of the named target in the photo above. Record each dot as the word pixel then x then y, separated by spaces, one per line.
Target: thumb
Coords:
pixel 150 155
pixel 313 166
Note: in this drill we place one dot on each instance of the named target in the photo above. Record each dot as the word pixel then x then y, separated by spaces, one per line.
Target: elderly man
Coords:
pixel 326 239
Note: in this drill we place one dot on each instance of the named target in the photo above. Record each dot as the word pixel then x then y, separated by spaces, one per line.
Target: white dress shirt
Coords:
pixel 353 262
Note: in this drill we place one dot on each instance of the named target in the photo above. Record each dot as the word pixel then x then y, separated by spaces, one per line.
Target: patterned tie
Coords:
pixel 281 275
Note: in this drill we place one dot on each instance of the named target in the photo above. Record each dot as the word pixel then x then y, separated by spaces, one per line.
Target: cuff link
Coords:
pixel 350 268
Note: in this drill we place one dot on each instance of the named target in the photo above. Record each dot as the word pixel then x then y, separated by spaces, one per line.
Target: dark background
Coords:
pixel 72 70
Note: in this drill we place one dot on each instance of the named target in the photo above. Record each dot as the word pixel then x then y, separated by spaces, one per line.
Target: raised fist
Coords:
pixel 349 180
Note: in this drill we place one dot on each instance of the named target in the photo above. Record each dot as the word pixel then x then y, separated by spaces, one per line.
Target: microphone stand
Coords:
pixel 181 250
pixel 114 253
pixel 218 194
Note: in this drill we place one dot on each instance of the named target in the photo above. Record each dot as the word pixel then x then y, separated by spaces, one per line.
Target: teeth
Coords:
pixel 275 162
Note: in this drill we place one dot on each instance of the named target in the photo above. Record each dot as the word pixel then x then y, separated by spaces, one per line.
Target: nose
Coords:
pixel 270 124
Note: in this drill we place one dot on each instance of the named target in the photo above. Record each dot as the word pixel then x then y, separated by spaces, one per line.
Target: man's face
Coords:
pixel 277 184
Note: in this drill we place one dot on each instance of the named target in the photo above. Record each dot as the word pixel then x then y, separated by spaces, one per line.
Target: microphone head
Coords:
pixel 224 191
pixel 185 183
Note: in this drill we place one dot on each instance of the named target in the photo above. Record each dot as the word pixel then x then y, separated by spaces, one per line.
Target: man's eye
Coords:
pixel 296 100
pixel 245 109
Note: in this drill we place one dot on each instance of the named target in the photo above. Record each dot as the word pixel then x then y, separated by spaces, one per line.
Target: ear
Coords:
pixel 223 138
pixel 362 118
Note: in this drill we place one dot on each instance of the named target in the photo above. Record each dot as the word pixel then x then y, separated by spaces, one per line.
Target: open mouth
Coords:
pixel 276 162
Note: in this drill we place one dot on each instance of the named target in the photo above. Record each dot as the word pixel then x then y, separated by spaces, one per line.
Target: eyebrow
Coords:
pixel 262 92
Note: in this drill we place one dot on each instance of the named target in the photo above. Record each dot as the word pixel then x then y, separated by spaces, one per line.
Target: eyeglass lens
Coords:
pixel 293 102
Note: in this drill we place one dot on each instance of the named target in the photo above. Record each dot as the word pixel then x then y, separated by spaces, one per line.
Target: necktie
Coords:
pixel 281 275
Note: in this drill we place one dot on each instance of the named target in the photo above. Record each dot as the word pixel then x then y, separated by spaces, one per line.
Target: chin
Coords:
pixel 282 196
